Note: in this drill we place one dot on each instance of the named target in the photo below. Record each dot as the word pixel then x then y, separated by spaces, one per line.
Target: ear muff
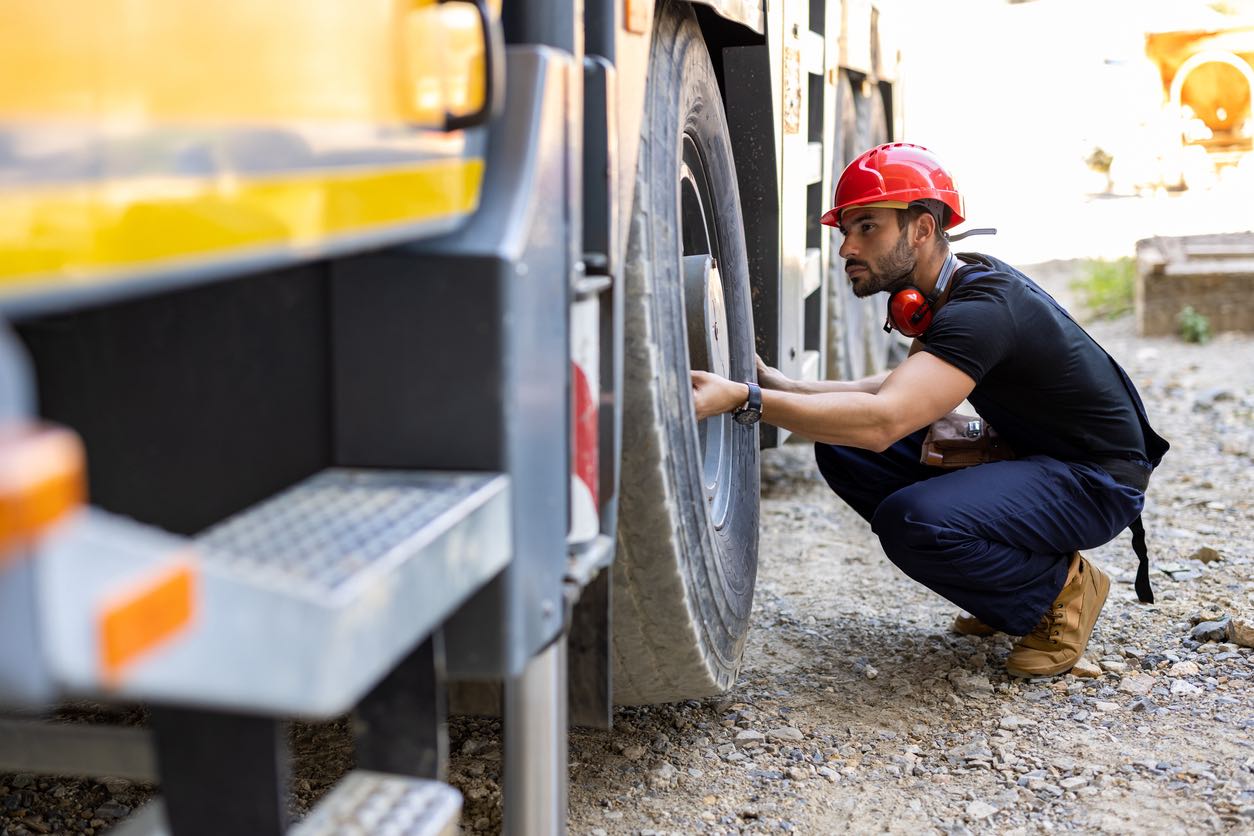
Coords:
pixel 909 311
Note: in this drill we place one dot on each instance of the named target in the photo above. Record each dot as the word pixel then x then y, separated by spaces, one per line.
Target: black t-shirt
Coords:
pixel 1040 380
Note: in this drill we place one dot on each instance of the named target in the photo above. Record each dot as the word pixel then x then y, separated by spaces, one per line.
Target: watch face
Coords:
pixel 747 416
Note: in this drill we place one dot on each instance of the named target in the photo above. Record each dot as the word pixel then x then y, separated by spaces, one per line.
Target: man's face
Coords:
pixel 877 254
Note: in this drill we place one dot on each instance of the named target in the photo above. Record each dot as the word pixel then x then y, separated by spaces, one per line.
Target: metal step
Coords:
pixel 374 804
pixel 361 804
pixel 309 598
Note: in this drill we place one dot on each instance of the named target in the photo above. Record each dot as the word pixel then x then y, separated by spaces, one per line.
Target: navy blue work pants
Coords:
pixel 993 538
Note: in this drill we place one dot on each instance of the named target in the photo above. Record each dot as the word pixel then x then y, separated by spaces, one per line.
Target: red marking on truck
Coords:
pixel 585 420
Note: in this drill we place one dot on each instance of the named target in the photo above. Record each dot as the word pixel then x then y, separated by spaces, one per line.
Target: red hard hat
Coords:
pixel 893 174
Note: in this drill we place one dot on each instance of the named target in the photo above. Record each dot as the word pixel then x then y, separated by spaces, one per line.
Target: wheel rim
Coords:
pixel 709 338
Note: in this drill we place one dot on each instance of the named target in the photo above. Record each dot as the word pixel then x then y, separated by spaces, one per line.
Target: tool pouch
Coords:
pixel 962 440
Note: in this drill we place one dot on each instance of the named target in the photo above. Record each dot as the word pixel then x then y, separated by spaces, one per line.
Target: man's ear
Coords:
pixel 926 226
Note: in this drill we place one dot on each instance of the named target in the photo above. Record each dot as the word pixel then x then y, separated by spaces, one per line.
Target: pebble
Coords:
pixel 1113 667
pixel 1210 631
pixel 1103 705
pixel 664 775
pixel 749 739
pixel 1137 684
pixel 634 753
pixel 112 810
pixel 786 733
pixel 1241 631
pixel 978 810
pixel 1187 668
pixel 1180 688
pixel 1085 669
pixel 970 685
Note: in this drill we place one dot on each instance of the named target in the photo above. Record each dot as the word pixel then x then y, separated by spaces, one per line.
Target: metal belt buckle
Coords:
pixel 973 429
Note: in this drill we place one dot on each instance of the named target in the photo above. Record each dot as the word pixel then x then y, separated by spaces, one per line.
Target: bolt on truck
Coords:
pixel 345 359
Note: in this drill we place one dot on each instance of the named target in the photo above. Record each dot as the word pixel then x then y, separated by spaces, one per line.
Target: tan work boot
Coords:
pixel 1059 640
pixel 968 625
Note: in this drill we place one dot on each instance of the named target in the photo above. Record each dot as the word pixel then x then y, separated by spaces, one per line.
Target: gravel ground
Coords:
pixel 858 711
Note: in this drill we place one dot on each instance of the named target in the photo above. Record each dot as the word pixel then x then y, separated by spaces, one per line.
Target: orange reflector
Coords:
pixel 138 619
pixel 42 476
pixel 636 16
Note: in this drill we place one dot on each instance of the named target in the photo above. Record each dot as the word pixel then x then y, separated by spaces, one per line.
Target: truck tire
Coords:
pixel 684 573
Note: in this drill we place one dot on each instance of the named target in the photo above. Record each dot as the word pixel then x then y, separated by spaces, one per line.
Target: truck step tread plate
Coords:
pixel 361 804
pixel 326 531
pixel 306 599
pixel 370 803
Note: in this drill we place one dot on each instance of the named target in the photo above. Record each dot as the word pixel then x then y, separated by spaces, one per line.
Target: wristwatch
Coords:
pixel 751 412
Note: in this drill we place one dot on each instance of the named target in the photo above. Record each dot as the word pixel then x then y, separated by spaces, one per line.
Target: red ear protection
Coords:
pixel 909 311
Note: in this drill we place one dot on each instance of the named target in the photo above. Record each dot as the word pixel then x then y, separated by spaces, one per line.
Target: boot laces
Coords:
pixel 1050 626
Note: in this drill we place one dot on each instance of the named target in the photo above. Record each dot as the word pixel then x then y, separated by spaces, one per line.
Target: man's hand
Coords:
pixel 772 378
pixel 714 394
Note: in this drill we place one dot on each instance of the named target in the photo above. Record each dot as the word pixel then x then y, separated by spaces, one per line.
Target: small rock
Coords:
pixel 786 733
pixel 969 685
pixel 1137 684
pixel 978 810
pixel 1185 668
pixel 634 753
pixel 663 775
pixel 870 672
pixel 1011 722
pixel 828 773
pixel 1206 555
pixel 661 743
pixel 749 739
pixel 1210 631
pixel 1073 783
pixel 1103 705
pixel 1086 669
pixel 1180 688
pixel 1241 631
pixel 114 786
pixel 1144 704
pixel 1207 398
pixel 797 773
pixel 112 810
pixel 1110 666
pixel 22 781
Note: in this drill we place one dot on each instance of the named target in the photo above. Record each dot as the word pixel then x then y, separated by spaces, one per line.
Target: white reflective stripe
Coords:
pixel 585 520
pixel 585 342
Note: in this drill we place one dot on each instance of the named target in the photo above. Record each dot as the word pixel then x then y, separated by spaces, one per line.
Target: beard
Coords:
pixel 888 272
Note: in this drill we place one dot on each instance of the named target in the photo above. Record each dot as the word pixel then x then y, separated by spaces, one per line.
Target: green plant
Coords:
pixel 1194 327
pixel 1105 287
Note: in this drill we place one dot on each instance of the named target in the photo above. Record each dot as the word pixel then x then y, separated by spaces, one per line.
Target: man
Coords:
pixel 1001 539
